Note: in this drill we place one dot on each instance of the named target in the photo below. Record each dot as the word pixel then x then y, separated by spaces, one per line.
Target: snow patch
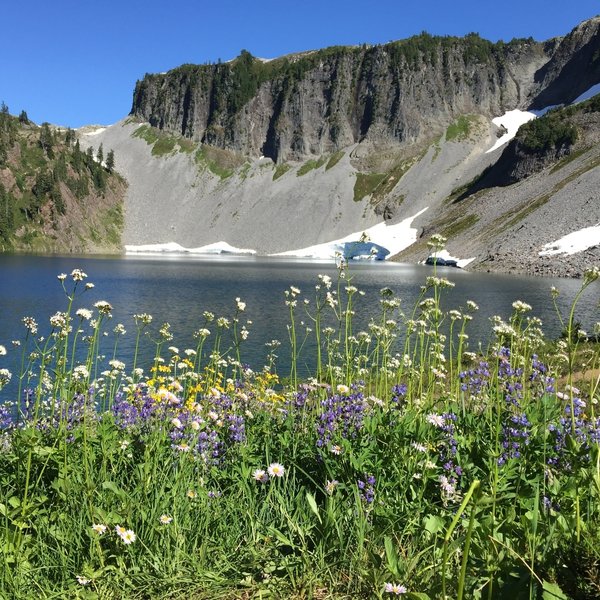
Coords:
pixel 574 242
pixel 174 248
pixel 393 237
pixel 460 262
pixel 511 121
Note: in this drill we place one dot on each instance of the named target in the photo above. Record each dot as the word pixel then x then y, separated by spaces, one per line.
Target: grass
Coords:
pixel 334 159
pixel 407 463
pixel 281 170
pixel 163 143
pixel 459 226
pixel 366 184
pixel 310 165
pixel 461 128
pixel 220 162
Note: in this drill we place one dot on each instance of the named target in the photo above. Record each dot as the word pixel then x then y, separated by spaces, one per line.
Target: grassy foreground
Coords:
pixel 413 468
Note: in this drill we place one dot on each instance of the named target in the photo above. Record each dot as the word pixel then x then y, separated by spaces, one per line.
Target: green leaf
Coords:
pixel 391 555
pixel 433 524
pixel 111 486
pixel 417 596
pixel 552 591
pixel 313 505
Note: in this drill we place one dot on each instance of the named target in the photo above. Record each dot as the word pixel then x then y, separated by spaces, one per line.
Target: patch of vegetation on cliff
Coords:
pixel 391 179
pixel 52 193
pixel 309 165
pixel 163 143
pixel 366 184
pixel 281 170
pixel 461 129
pixel 458 226
pixel 220 162
pixel 550 132
pixel 334 159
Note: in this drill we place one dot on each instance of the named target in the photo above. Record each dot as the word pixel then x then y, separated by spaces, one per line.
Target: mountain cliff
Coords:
pixel 319 102
pixel 326 143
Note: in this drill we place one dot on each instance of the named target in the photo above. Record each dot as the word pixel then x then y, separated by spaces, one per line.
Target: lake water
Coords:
pixel 178 289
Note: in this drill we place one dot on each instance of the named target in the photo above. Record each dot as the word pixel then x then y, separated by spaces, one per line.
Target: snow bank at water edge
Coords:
pixel 393 237
pixel 174 248
pixel 460 262
pixel 574 242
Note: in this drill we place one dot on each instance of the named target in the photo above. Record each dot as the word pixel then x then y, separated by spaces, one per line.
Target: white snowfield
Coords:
pixel 574 242
pixel 513 119
pixel 393 237
pixel 174 248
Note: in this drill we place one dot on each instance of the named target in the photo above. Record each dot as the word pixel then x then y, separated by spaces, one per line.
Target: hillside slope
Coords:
pixel 53 196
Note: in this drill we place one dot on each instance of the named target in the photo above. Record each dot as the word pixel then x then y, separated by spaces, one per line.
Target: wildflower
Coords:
pixel 176 423
pixel 331 485
pixel 335 449
pixel 165 332
pixel 191 494
pixel 395 588
pixel 437 420
pixel 120 530
pixel 276 470
pixel 591 275
pixel 89 286
pixel 84 313
pixel 2 351
pixel 30 324
pixel 260 475
pixel 99 528
pixel 142 318
pixel 418 447
pixel 342 389
pixel 119 329
pixel 326 280
pixel 78 275
pixel 520 306
pixel 61 277
pixel 241 306
pixel 82 580
pixel 5 377
pixel 128 537
pixel 165 519
pixel 80 372
pixel 103 307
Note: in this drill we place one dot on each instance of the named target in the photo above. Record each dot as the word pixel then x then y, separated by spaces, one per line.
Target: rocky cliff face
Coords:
pixel 318 102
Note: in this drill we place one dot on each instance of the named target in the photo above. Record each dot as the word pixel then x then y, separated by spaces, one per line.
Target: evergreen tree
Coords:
pixel 46 140
pixel 3 108
pixel 100 154
pixel 110 161
pixel 23 118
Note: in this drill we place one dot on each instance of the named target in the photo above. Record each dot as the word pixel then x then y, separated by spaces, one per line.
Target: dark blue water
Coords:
pixel 178 290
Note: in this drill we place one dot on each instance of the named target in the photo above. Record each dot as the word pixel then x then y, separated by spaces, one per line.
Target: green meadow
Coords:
pixel 408 464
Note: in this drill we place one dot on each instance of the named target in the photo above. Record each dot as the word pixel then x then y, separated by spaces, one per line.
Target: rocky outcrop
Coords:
pixel 318 102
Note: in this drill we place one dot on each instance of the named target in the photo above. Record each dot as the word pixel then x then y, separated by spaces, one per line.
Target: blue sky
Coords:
pixel 75 62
